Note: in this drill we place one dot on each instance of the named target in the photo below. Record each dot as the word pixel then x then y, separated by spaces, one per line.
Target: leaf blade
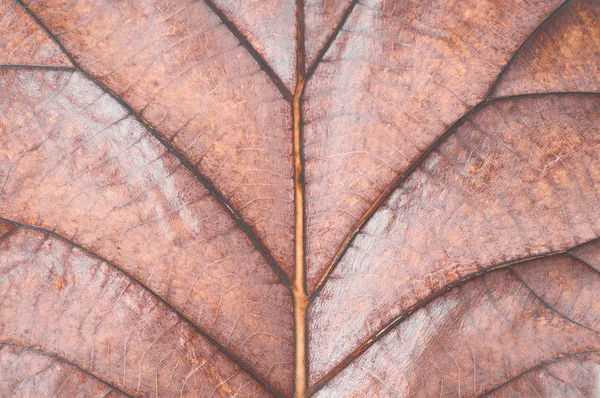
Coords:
pixel 394 260
pixel 28 372
pixel 90 172
pixel 477 338
pixel 201 91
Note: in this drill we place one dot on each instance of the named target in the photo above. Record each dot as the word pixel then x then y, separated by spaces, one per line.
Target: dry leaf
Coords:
pixel 326 198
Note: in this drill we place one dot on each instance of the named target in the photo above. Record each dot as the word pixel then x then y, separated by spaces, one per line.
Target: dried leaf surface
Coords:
pixel 70 304
pixel 278 198
pixel 28 373
pixel 24 42
pixel 519 179
pixel 489 335
pixel 78 164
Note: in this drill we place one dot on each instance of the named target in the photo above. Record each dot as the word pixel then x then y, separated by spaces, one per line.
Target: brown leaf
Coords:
pixel 30 373
pixel 24 42
pixel 178 67
pixel 485 335
pixel 534 194
pixel 557 58
pixel 374 106
pixel 79 165
pixel 277 198
pixel 99 318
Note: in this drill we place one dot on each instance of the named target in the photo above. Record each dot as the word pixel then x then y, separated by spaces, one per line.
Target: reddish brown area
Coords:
pixel 334 198
pixel 24 42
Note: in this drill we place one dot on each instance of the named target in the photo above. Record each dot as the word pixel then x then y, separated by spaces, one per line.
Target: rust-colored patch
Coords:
pixel 59 283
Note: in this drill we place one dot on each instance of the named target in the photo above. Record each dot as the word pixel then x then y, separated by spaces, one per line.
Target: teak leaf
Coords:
pixel 328 198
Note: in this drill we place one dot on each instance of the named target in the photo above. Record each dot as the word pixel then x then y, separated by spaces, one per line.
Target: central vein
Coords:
pixel 299 287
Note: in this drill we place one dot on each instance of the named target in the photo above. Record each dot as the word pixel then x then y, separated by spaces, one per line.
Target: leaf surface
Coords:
pixel 517 180
pixel 79 165
pixel 179 68
pixel 26 372
pixel 295 198
pixel 397 77
pixel 24 42
pixel 479 338
pixel 561 57
pixel 78 307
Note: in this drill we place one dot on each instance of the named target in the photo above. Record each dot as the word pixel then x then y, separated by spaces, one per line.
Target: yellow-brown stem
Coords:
pixel 299 287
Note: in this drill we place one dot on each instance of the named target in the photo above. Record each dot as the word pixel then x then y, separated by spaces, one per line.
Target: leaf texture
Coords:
pixel 467 208
pixel 24 42
pixel 560 57
pixel 124 335
pixel 200 89
pixel 81 166
pixel 328 198
pixel 26 372
pixel 478 338
pixel 416 68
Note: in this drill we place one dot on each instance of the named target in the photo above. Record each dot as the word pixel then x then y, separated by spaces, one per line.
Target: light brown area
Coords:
pixel 571 375
pixel 270 26
pixel 322 20
pixel 536 192
pixel 106 323
pixel 179 67
pixel 399 74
